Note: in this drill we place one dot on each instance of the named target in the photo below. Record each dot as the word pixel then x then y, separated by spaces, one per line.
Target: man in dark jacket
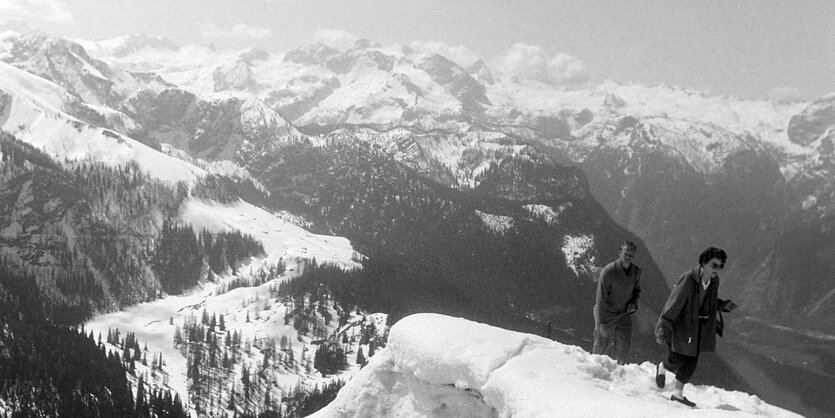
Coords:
pixel 687 325
pixel 618 289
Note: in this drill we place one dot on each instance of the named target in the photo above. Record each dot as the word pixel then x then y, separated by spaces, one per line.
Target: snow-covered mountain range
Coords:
pixel 750 164
pixel 663 162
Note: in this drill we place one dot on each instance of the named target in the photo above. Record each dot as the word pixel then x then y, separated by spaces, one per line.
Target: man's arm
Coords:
pixel 601 303
pixel 636 292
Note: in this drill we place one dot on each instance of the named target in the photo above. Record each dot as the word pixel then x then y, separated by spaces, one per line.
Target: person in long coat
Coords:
pixel 688 324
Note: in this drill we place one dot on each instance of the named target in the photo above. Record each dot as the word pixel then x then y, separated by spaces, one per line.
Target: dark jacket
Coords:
pixel 616 290
pixel 679 320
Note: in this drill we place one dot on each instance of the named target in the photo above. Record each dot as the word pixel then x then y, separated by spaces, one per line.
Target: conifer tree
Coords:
pixel 361 358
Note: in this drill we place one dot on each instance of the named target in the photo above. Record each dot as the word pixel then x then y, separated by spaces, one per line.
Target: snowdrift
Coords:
pixel 439 366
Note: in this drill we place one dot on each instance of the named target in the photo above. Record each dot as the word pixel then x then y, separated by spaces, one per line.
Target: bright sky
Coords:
pixel 748 48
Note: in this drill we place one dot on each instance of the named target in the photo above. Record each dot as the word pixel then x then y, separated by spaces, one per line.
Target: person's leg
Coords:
pixel 678 389
pixel 601 342
pixel 685 372
pixel 661 368
pixel 683 375
pixel 673 361
pixel 623 339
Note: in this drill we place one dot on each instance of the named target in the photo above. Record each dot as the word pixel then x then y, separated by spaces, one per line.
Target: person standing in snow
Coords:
pixel 618 290
pixel 688 325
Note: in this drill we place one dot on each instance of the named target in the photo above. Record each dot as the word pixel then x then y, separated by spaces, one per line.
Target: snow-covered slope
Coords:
pixel 33 109
pixel 281 239
pixel 439 366
pixel 253 311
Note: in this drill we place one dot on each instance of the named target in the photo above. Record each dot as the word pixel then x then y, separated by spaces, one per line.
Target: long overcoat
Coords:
pixel 679 320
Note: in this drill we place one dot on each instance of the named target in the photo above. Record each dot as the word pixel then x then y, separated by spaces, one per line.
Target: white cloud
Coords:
pixel 240 30
pixel 567 69
pixel 48 10
pixel 531 62
pixel 336 38
pixel 459 54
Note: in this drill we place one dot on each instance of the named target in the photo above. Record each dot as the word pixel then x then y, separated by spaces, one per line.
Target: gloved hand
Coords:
pixel 727 305
pixel 662 336
pixel 605 330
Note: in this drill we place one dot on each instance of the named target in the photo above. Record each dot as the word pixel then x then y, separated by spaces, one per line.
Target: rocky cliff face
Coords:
pixel 457 81
pixel 67 64
pixel 815 123
pixel 794 284
pixel 211 129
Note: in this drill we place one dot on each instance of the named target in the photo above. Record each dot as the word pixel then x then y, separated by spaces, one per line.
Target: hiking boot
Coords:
pixel 683 400
pixel 660 378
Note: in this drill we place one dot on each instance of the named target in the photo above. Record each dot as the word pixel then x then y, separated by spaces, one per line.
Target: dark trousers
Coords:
pixel 681 364
pixel 616 342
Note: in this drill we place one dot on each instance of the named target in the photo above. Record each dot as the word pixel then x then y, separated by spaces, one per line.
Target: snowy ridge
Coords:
pixel 704 146
pixel 436 365
pixel 31 108
pixel 385 84
pixel 761 117
pixel 390 86
pixel 281 239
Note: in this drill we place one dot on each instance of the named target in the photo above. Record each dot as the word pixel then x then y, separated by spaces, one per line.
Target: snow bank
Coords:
pixel 436 365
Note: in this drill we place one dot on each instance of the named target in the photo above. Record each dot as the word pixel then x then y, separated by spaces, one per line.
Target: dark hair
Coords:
pixel 710 253
pixel 628 244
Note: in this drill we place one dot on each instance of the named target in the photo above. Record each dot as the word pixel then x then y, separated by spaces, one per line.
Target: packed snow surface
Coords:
pixel 439 366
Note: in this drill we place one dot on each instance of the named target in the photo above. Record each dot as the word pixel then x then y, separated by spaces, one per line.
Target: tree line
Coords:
pixel 48 369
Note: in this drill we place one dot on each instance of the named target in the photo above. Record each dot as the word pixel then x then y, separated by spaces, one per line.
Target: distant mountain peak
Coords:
pixel 456 80
pixel 314 54
pixel 67 63
pixel 233 76
pixel 480 72
pixel 363 44
pixel 254 54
